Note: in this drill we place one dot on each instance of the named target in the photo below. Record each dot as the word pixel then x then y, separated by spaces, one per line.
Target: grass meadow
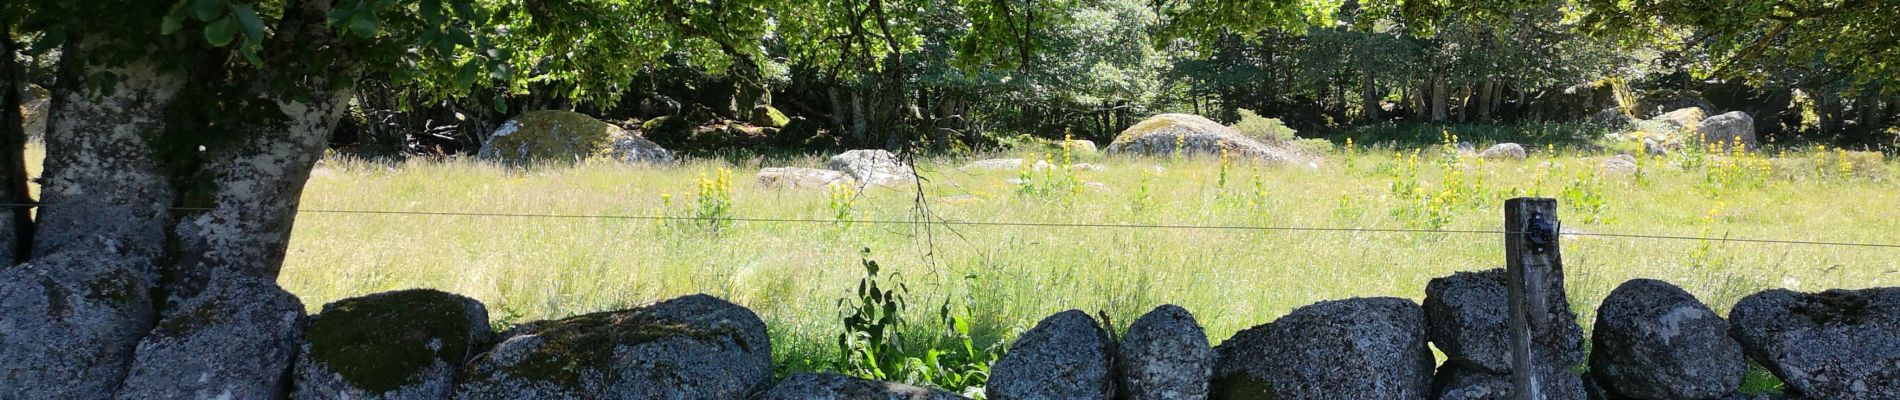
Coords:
pixel 1001 279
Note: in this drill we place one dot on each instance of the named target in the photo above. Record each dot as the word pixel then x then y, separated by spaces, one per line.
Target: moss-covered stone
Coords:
pixel 768 116
pixel 691 347
pixel 553 136
pixel 383 342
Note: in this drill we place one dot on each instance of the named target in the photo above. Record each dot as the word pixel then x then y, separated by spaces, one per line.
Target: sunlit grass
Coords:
pixel 792 273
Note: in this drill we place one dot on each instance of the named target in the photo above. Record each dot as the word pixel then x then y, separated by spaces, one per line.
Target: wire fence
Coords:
pixel 948 222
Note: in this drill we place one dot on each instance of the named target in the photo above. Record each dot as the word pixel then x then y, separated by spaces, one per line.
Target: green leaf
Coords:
pixel 431 11
pixel 206 10
pixel 365 25
pixel 247 18
pixel 219 33
pixel 171 24
pixel 250 54
pixel 470 70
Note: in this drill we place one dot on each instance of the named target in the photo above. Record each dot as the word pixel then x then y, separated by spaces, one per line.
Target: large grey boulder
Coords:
pixel 1164 355
pixel 1684 119
pixel 1167 134
pixel 408 344
pixel 1365 348
pixel 69 326
pixel 1066 356
pixel 234 340
pixel 830 386
pixel 693 347
pixel 801 178
pixel 554 136
pixel 1655 341
pixel 1504 151
pixel 872 167
pixel 1728 129
pixel 1838 344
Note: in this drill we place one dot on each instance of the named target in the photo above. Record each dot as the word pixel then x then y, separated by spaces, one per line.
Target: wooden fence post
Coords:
pixel 1534 268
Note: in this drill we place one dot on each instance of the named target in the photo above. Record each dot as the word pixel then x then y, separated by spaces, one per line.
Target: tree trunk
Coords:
pixel 77 310
pixel 1439 99
pixel 1484 100
pixel 80 320
pixel 1369 96
pixel 16 221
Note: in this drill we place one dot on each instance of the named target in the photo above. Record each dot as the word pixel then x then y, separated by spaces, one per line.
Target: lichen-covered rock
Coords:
pixel 1655 341
pixel 1838 344
pixel 1728 129
pixel 561 136
pixel 829 386
pixel 693 347
pixel 1363 348
pixel 1621 164
pixel 1066 356
pixel 408 344
pixel 768 116
pixel 872 167
pixel 801 178
pixel 1459 382
pixel 234 340
pixel 69 327
pixel 1504 151
pixel 1662 101
pixel 1683 120
pixel 1167 134
pixel 1080 147
pixel 1164 355
pixel 1465 317
pixel 1612 117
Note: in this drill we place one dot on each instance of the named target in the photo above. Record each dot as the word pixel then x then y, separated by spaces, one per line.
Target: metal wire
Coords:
pixel 1057 225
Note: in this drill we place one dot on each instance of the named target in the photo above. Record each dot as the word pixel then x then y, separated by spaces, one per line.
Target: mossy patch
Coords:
pixel 1842 307
pixel 382 342
pixel 768 116
pixel 1170 123
pixel 554 136
pixel 1239 386
pixel 579 344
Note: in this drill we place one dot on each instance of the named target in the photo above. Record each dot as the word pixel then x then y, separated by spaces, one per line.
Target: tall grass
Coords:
pixel 1008 277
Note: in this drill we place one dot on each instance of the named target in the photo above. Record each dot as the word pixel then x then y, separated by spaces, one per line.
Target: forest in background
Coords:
pixel 947 75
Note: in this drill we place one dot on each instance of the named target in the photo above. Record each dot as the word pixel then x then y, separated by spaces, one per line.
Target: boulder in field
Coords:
pixel 1838 344
pixel 1080 146
pixel 1682 120
pixel 1621 164
pixel 769 117
pixel 408 344
pixel 553 136
pixel 235 340
pixel 1655 341
pixel 1066 356
pixel 1728 129
pixel 1504 151
pixel 872 167
pixel 830 386
pixel 1164 356
pixel 1365 348
pixel 1612 117
pixel 1167 134
pixel 1663 101
pixel 801 178
pixel 693 347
